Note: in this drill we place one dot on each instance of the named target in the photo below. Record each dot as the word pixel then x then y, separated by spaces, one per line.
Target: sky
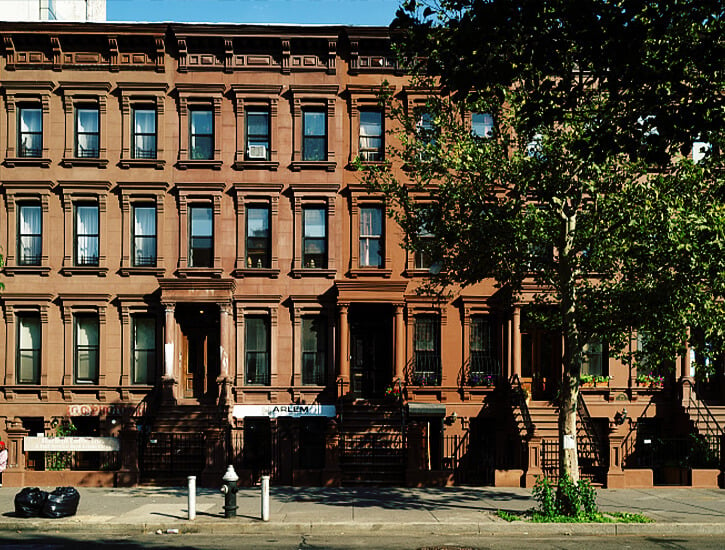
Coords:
pixel 321 12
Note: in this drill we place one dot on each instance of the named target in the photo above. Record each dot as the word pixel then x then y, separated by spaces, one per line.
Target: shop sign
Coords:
pixel 42 443
pixel 98 410
pixel 275 411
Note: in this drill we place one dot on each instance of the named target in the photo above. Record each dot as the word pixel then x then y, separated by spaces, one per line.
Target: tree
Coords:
pixel 582 183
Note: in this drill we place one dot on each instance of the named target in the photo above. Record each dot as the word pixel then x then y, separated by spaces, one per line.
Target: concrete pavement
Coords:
pixel 311 510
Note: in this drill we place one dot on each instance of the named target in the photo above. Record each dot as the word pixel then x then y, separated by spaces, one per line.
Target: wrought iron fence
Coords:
pixel 470 460
pixel 55 461
pixel 166 454
pixel 590 467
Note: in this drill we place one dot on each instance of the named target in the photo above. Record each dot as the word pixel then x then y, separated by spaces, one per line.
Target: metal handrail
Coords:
pixel 592 434
pixel 699 405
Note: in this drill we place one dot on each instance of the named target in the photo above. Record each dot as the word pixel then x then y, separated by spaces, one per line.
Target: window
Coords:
pixel 256 344
pixel 425 128
pixel 28 352
pixel 201 236
pixel 30 234
pixel 314 249
pixel 422 256
pixel 593 361
pixel 201 134
pixel 30 132
pixel 314 132
pixel 85 350
pixel 484 365
pixel 371 236
pixel 87 132
pixel 258 237
pixel 144 349
pixel 144 133
pixel 144 236
pixel 86 235
pixel 314 350
pixel 482 125
pixel 257 130
pixel 371 135
pixel 427 352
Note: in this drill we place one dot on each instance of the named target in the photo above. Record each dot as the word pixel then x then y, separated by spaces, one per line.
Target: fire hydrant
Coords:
pixel 230 492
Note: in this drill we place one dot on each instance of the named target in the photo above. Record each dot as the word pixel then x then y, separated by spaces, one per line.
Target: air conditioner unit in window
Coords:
pixel 257 152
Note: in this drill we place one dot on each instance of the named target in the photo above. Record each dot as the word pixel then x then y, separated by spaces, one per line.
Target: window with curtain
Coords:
pixel 30 227
pixel 256 345
pixel 482 125
pixel 314 350
pixel 144 349
pixel 86 234
pixel 257 129
pixel 314 230
pixel 87 132
pixel 201 236
pixel 201 134
pixel 28 349
pixel 371 135
pixel 86 339
pixel 258 236
pixel 483 352
pixel 144 236
pixel 144 133
pixel 427 350
pixel 314 135
pixel 30 132
pixel 371 236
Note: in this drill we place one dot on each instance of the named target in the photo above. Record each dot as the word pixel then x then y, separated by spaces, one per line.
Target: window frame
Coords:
pixel 492 125
pixel 361 198
pixel 199 206
pixel 200 97
pixel 77 235
pixel 321 351
pixel 259 97
pixel 16 194
pixel 37 352
pixel 307 238
pixel 152 364
pixel 368 238
pixel 93 154
pixel 432 359
pixel 267 307
pixel 266 195
pixel 266 376
pixel 267 249
pixel 37 261
pixel 314 138
pixel 77 379
pixel 17 95
pixel 153 237
pixel 378 152
pixel 207 195
pixel 142 95
pixel 23 107
pixel 145 194
pixel 134 134
pixel 259 139
pixel 318 99
pixel 365 98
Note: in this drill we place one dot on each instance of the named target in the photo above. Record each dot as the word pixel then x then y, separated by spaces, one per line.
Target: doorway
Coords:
pixel 541 362
pixel 199 347
pixel 371 345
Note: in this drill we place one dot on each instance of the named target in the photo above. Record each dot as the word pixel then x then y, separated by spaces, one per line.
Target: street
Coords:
pixel 36 541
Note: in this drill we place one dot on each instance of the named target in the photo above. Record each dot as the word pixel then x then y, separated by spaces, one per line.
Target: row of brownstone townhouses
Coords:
pixel 195 276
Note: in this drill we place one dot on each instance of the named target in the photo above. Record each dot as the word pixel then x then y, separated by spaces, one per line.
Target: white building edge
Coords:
pixel 53 10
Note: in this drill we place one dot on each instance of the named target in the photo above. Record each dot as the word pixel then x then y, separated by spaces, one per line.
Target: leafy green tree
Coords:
pixel 580 183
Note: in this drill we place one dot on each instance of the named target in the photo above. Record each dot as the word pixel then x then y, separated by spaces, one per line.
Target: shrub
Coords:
pixel 573 500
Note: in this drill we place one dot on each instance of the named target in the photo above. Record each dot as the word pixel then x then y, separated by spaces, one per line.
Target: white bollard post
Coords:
pixel 265 498
pixel 192 497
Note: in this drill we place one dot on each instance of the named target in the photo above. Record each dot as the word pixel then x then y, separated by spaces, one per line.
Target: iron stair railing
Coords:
pixel 595 440
pixel 698 411
pixel 518 402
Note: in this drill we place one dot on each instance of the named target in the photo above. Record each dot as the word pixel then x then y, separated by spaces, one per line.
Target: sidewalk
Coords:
pixel 456 510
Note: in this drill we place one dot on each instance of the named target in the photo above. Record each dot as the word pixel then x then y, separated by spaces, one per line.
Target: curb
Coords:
pixel 230 527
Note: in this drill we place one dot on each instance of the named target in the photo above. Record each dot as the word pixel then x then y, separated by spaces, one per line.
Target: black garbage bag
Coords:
pixel 29 502
pixel 61 503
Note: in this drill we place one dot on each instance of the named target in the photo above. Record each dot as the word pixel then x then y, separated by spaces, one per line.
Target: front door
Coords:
pixel 540 362
pixel 199 327
pixel 370 350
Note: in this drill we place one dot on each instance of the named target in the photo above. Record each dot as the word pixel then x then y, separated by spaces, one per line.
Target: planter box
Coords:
pixel 704 478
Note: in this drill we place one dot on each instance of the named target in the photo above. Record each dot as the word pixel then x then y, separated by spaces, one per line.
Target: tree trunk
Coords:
pixel 568 455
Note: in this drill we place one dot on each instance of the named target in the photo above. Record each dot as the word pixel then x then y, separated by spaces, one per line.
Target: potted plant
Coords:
pixel 650 381
pixel 586 380
pixel 481 380
pixel 601 380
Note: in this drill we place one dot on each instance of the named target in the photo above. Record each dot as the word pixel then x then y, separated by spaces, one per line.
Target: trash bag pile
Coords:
pixel 60 503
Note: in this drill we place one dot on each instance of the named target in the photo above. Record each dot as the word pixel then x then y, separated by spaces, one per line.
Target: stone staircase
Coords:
pixel 707 417
pixel 372 443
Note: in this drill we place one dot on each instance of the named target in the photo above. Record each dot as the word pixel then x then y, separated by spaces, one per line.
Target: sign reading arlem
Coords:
pixel 275 411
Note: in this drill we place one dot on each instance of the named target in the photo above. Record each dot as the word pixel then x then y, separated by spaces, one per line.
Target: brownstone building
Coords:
pixel 195 276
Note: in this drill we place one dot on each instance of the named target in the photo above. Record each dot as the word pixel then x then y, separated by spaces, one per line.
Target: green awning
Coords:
pixel 426 409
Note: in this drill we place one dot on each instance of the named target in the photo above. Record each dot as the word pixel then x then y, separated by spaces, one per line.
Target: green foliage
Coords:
pixel 507 516
pixel 585 186
pixel 61 460
pixel 565 499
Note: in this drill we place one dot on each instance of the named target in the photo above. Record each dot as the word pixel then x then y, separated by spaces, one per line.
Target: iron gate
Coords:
pixel 171 454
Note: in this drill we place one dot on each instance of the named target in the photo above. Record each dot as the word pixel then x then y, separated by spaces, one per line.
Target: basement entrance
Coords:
pixel 199 348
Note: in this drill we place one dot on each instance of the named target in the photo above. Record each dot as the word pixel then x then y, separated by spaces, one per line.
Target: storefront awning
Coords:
pixel 426 409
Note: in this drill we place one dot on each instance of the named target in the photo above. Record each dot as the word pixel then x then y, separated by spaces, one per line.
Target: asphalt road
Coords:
pixel 403 542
